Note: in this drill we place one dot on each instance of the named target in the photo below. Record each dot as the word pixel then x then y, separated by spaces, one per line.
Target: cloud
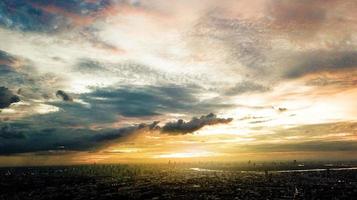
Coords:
pixel 104 106
pixel 48 16
pixel 182 127
pixel 64 95
pixel 22 137
pixel 321 61
pixel 297 13
pixel 305 22
pixel 311 137
pixel 20 74
pixel 343 78
pixel 280 109
pixel 7 97
pixel 5 58
pixel 313 146
pixel 7 132
pixel 125 131
pixel 140 101
pixel 88 66
pixel 28 136
pixel 239 42
pixel 246 87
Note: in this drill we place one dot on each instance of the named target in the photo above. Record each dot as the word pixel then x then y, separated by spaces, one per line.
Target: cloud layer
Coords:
pixel 7 97
pixel 16 138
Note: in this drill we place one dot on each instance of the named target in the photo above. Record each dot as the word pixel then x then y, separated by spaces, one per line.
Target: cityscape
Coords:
pixel 283 180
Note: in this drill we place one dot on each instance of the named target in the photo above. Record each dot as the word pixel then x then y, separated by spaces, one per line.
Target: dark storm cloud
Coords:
pixel 7 132
pixel 53 16
pixel 27 137
pixel 31 136
pixel 246 87
pixel 320 61
pixel 106 105
pixel 182 127
pixel 47 15
pixel 7 97
pixel 124 131
pixel 151 100
pixel 22 15
pixel 62 94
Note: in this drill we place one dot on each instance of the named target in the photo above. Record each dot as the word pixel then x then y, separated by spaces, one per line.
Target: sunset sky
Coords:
pixel 86 81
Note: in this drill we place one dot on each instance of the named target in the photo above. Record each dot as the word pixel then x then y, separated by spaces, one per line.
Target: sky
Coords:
pixel 107 81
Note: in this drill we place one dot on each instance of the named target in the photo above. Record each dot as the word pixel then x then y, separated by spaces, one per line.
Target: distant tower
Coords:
pixel 268 176
pixel 296 193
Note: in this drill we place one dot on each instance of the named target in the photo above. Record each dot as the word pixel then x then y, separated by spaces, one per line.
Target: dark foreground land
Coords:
pixel 175 182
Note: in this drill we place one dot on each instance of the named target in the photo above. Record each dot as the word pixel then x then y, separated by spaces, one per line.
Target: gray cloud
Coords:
pixel 6 58
pixel 246 42
pixel 280 109
pixel 62 94
pixel 32 15
pixel 182 127
pixel 20 137
pixel 27 136
pixel 319 61
pixel 7 132
pixel 304 20
pixel 302 14
pixel 17 73
pixel 7 97
pixel 246 87
pixel 87 66
pixel 250 45
pixel 107 105
pixel 136 101
pixel 131 71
